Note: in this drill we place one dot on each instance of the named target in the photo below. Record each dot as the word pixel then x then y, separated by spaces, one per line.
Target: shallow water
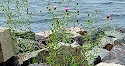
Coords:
pixel 113 7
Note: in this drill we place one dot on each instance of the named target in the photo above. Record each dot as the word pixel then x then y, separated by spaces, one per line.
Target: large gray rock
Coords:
pixel 108 64
pixel 120 37
pixel 116 34
pixel 116 55
pixel 94 53
pixel 6 44
pixel 107 40
pixel 23 59
pixel 73 30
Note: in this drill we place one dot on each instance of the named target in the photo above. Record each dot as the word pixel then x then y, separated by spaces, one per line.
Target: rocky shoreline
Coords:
pixel 111 50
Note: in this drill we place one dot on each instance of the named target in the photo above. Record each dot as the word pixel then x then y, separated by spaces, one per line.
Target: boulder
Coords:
pixel 7 48
pixel 107 40
pixel 73 30
pixel 116 55
pixel 108 64
pixel 94 53
pixel 115 34
pixel 119 29
pixel 43 35
pixel 63 51
pixel 23 59
pixel 108 47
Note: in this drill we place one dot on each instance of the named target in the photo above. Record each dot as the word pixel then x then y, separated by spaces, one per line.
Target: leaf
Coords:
pixel 34 60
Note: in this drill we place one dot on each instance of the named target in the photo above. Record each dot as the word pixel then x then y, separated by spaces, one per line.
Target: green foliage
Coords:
pixel 18 17
pixel 67 56
pixel 34 60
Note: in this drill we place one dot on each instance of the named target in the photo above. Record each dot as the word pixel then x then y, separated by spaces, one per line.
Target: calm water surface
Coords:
pixel 116 8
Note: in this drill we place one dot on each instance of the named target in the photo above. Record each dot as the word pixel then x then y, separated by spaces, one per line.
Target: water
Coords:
pixel 113 7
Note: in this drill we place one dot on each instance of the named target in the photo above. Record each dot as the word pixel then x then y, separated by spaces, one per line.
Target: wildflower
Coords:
pixel 108 16
pixel 66 9
pixel 54 7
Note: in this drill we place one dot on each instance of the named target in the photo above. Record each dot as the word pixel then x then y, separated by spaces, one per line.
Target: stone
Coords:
pixel 116 55
pixel 108 64
pixel 7 48
pixel 107 40
pixel 46 34
pixel 75 31
pixel 121 41
pixel 121 30
pixel 116 42
pixel 108 47
pixel 120 37
pixel 63 50
pixel 82 32
pixel 79 39
pixel 43 35
pixel 23 59
pixel 115 34
pixel 94 53
pixel 97 60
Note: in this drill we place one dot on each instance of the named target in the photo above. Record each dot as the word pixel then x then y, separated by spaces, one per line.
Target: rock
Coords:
pixel 116 42
pixel 108 64
pixel 72 32
pixel 75 31
pixel 120 37
pixel 43 35
pixel 97 60
pixel 121 30
pixel 108 43
pixel 7 48
pixel 63 51
pixel 94 53
pixel 82 32
pixel 115 34
pixel 116 55
pixel 79 39
pixel 121 41
pixel 108 47
pixel 107 40
pixel 23 59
